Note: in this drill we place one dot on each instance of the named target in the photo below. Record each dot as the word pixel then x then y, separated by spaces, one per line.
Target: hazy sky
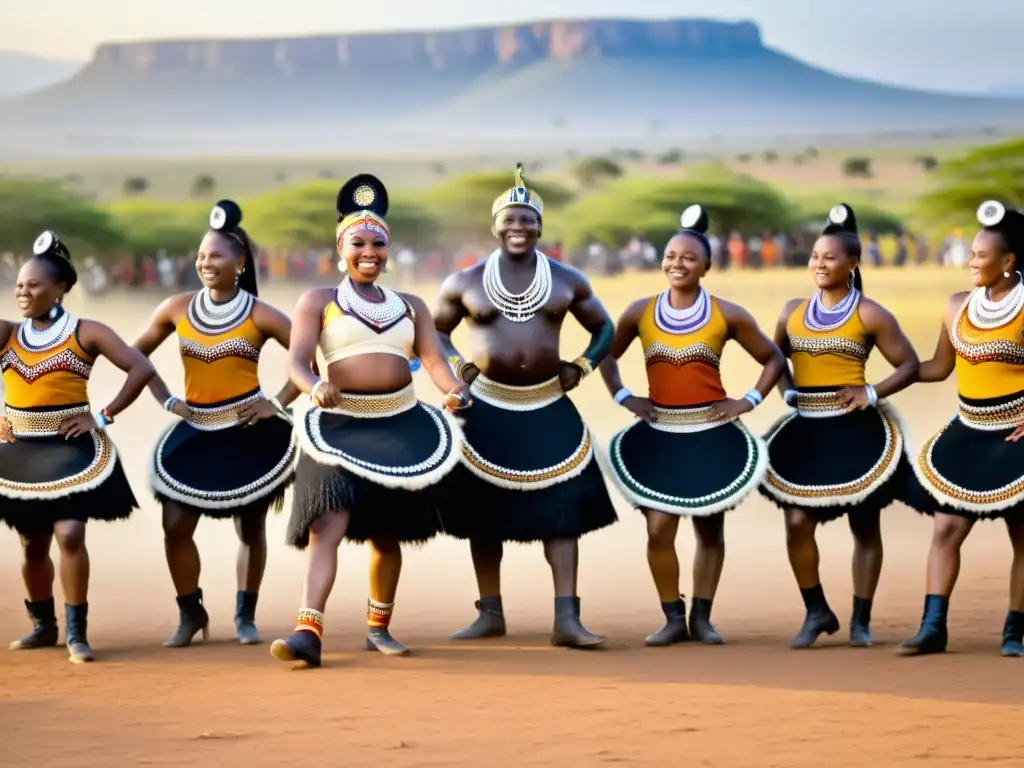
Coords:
pixel 946 44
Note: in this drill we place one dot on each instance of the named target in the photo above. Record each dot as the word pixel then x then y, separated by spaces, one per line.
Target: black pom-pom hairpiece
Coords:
pixel 694 219
pixel 225 216
pixel 840 219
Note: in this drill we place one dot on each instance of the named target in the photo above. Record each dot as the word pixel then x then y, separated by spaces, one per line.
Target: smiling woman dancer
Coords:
pixel 368 447
pixel 973 469
pixel 231 453
pixel 58 467
pixel 841 451
pixel 688 455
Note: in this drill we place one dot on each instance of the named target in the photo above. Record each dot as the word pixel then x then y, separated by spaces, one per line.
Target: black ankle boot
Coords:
pixel 674 630
pixel 1013 634
pixel 933 635
pixel 701 628
pixel 75 633
pixel 819 619
pixel 860 623
pixel 245 618
pixel 568 630
pixel 301 645
pixel 44 632
pixel 192 618
pixel 490 621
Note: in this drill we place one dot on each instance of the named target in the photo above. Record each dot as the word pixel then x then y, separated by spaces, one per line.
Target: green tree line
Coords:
pixel 598 201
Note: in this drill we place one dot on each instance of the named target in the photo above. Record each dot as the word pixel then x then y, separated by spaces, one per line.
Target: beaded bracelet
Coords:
pixel 104 419
pixel 312 392
pixel 872 395
pixel 790 397
pixel 170 402
pixel 754 397
pixel 622 396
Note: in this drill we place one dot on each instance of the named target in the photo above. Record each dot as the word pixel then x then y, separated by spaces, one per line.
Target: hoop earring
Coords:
pixel 54 312
pixel 849 280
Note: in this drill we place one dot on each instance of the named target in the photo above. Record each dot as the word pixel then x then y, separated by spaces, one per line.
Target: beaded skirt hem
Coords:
pixel 227 472
pixel 47 479
pixel 689 473
pixel 969 468
pixel 829 462
pixel 378 458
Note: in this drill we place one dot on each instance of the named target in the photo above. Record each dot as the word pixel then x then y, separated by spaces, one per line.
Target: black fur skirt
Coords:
pixel 527 470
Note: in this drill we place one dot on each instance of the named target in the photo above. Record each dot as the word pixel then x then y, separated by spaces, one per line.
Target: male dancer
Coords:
pixel 528 471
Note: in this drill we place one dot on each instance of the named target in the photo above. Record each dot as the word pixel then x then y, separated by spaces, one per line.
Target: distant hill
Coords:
pixel 591 83
pixel 21 73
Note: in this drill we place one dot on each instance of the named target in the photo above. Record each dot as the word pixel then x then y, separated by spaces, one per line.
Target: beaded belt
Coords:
pixel 511 398
pixel 685 419
pixel 212 419
pixel 376 406
pixel 818 405
pixel 993 418
pixel 39 423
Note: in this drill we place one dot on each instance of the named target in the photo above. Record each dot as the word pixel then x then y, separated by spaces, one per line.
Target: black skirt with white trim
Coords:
pixel 527 470
pixel 216 467
pixel 377 457
pixel 46 478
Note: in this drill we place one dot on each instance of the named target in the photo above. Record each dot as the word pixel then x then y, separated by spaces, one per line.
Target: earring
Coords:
pixel 237 276
pixel 54 312
pixel 1006 274
pixel 341 267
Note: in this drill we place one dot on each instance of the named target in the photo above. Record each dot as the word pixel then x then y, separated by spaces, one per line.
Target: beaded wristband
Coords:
pixel 277 404
pixel 790 397
pixel 312 392
pixel 170 402
pixel 872 395
pixel 754 397
pixel 622 396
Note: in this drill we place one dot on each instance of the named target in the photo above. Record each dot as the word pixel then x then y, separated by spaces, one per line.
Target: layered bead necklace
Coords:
pixel 377 313
pixel 212 318
pixel 987 314
pixel 682 321
pixel 518 307
pixel 820 318
pixel 57 333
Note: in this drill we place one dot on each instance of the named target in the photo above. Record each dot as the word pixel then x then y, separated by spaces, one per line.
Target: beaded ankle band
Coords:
pixel 310 620
pixel 378 614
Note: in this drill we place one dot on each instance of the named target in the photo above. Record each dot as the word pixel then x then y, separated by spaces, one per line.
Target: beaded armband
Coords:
pixel 378 614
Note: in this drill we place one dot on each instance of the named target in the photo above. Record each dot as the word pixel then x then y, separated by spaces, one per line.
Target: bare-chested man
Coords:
pixel 528 471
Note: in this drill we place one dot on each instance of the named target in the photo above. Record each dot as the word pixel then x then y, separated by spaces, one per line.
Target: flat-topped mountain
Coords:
pixel 601 81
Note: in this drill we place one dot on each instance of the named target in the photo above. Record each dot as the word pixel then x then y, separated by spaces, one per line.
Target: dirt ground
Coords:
pixel 517 701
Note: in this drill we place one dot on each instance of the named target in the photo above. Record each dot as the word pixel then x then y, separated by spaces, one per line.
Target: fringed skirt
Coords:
pixel 968 468
pixel 685 464
pixel 377 457
pixel 828 462
pixel 217 467
pixel 527 471
pixel 45 478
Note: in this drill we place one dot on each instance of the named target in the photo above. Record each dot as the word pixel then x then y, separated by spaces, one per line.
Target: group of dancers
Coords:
pixel 508 458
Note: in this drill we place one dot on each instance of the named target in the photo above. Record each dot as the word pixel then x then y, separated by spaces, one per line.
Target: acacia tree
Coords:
pixel 962 184
pixel 27 207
